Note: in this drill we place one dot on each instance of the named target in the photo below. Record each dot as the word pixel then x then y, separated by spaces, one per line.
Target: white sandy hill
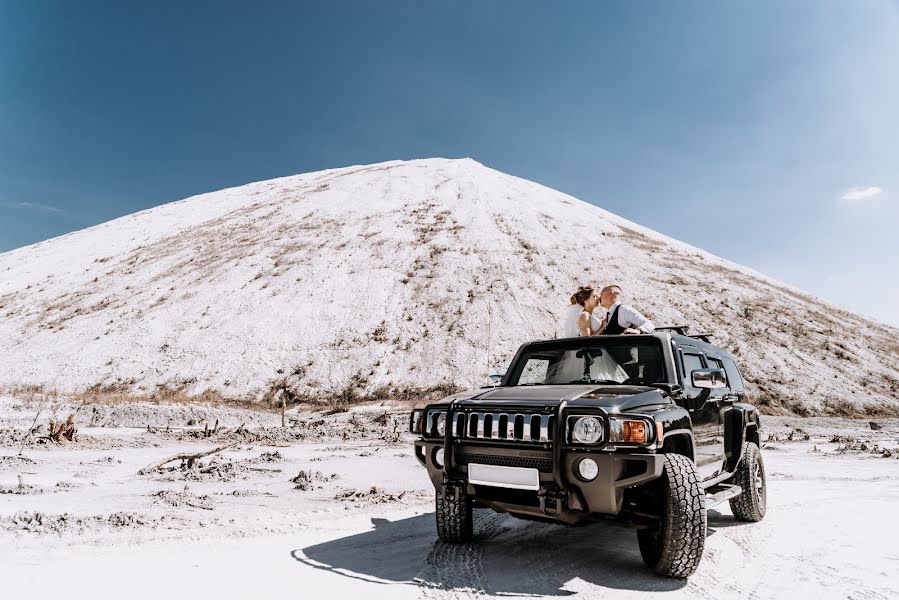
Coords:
pixel 396 276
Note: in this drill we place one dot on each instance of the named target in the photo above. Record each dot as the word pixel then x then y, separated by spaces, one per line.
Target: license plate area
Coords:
pixel 516 478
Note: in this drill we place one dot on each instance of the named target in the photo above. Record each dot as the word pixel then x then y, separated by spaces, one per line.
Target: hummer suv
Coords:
pixel 647 430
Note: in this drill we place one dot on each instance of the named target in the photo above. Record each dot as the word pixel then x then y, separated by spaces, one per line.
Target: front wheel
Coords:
pixel 454 519
pixel 674 547
pixel 750 476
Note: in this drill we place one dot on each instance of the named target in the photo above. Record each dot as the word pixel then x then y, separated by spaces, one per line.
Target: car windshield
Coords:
pixel 591 360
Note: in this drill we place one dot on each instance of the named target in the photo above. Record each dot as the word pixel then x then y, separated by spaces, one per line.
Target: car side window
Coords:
pixel 714 363
pixel 733 376
pixel 691 363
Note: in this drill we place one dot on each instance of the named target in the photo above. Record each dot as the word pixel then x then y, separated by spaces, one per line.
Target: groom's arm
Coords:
pixel 635 320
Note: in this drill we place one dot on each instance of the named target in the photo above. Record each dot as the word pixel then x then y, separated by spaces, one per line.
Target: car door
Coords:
pixel 726 395
pixel 705 412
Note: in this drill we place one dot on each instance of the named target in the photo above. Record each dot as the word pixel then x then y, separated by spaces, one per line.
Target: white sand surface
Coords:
pixel 107 532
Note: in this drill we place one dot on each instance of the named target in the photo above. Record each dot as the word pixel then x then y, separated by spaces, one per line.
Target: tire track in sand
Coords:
pixel 457 570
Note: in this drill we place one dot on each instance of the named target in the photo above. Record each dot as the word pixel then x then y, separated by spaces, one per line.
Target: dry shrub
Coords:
pixel 162 394
pixel 60 432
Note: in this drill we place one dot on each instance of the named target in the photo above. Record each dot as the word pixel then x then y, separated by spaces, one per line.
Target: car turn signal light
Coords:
pixel 416 421
pixel 634 432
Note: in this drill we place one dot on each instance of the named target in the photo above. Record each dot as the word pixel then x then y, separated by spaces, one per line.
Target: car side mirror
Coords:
pixel 495 379
pixel 708 379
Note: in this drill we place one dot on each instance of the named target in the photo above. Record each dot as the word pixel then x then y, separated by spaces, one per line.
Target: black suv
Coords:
pixel 648 430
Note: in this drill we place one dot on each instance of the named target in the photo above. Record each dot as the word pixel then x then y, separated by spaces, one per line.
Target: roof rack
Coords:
pixel 678 329
pixel 682 330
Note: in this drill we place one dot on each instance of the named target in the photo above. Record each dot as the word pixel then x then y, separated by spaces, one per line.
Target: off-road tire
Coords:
pixel 454 519
pixel 674 548
pixel 750 476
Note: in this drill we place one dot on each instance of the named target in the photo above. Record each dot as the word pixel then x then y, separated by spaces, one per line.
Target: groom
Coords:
pixel 621 318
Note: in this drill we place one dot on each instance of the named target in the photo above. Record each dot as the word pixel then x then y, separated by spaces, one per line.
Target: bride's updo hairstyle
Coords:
pixel 582 293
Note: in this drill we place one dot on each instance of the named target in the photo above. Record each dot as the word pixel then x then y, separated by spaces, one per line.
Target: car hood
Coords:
pixel 612 398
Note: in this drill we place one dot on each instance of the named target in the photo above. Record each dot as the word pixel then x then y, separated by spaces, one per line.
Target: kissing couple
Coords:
pixel 618 318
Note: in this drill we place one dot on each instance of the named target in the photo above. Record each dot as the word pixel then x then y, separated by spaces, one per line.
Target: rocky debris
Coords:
pixel 247 493
pixel 359 427
pixel 38 522
pixel 103 460
pixel 188 459
pixel 14 462
pixel 849 444
pixel 875 426
pixel 842 439
pixel 796 435
pixel 219 470
pixel 183 498
pixel 21 489
pixel 11 437
pixel 374 495
pixel 309 480
pixel 269 457
pixel 166 414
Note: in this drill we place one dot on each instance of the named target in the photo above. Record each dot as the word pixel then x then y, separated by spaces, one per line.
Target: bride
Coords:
pixel 579 320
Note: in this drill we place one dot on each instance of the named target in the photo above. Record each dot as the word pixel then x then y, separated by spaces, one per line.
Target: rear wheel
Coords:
pixel 454 519
pixel 750 476
pixel 674 547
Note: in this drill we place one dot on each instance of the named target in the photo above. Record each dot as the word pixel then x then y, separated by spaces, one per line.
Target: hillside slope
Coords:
pixel 395 276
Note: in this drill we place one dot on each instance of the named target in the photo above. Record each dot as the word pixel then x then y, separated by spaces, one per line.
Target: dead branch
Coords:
pixel 210 432
pixel 30 431
pixel 189 457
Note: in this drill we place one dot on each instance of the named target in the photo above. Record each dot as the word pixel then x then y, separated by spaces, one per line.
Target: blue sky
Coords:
pixel 740 127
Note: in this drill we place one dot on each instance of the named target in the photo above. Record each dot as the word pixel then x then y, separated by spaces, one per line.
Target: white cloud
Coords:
pixel 35 206
pixel 859 193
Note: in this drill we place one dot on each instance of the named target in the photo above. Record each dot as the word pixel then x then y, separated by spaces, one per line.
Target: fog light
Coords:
pixel 587 469
pixel 587 430
pixel 438 458
pixel 441 423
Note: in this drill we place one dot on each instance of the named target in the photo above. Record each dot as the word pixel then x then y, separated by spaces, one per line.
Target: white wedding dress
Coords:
pixel 568 324
pixel 571 368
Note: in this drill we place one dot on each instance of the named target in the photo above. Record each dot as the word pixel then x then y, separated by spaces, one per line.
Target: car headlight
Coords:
pixel 629 431
pixel 441 424
pixel 586 430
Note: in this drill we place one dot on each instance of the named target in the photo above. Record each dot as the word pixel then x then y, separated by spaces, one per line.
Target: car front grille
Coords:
pixel 500 426
pixel 544 465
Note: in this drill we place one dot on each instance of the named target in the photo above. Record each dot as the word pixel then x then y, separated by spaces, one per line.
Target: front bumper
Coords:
pixel 563 496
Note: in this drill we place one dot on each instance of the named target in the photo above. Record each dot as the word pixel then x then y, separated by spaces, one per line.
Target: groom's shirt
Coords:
pixel 627 316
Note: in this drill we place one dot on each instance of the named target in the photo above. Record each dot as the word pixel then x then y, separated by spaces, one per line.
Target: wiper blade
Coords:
pixel 595 381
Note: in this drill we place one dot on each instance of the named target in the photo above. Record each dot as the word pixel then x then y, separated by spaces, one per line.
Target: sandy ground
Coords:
pixel 358 522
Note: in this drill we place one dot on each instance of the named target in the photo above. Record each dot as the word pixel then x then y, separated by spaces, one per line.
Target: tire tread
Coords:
pixel 677 549
pixel 454 519
pixel 746 506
